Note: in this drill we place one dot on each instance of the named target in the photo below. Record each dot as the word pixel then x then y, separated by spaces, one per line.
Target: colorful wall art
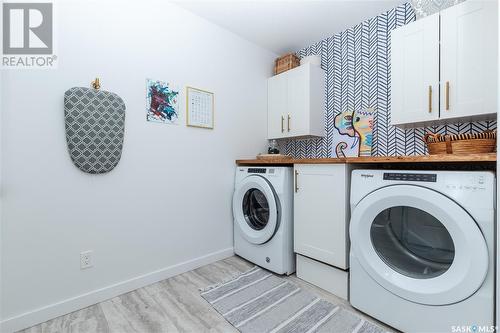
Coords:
pixel 162 102
pixel 353 135
pixel 345 142
pixel 362 121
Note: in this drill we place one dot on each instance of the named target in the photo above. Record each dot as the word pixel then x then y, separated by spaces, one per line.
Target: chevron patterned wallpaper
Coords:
pixel 358 72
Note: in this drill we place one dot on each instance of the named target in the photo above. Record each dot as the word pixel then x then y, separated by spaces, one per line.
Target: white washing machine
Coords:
pixel 263 217
pixel 422 249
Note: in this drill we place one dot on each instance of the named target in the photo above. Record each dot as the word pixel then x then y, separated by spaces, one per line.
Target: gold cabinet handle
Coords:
pixel 282 124
pixel 430 99
pixel 296 181
pixel 288 123
pixel 447 95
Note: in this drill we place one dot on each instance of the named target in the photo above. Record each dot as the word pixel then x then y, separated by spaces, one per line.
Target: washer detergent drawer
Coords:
pixel 419 244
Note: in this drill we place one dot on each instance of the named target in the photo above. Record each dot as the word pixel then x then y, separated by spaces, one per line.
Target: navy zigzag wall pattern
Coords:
pixel 358 75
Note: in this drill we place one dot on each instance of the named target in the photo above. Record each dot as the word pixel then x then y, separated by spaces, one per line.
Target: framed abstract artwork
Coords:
pixel 353 135
pixel 162 102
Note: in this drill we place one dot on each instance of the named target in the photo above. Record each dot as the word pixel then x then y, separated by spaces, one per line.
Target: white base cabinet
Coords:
pixel 321 212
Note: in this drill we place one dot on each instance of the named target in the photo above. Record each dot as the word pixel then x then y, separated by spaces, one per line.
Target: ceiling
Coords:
pixel 287 26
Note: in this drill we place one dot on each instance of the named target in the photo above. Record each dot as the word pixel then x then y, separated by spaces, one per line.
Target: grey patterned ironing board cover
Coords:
pixel 95 127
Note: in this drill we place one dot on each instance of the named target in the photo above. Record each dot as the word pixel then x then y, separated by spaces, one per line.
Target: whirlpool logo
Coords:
pixel 28 35
pixel 366 175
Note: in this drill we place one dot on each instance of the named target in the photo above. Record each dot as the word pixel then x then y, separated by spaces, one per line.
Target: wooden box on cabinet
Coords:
pixel 296 103
pixel 444 66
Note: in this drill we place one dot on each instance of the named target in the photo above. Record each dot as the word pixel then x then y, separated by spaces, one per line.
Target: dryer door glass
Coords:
pixel 255 209
pixel 412 242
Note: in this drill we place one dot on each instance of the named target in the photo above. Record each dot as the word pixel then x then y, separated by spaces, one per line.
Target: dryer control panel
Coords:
pixel 467 183
pixel 472 189
pixel 412 177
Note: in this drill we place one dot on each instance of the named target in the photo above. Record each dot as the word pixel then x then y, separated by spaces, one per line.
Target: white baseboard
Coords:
pixel 48 312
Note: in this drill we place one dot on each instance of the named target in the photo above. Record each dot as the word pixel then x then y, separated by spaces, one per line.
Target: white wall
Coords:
pixel 497 290
pixel 167 203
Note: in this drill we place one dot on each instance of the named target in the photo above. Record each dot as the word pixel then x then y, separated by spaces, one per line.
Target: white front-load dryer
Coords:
pixel 422 249
pixel 263 217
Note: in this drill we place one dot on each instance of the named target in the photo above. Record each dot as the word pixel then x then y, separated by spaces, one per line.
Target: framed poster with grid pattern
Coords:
pixel 199 108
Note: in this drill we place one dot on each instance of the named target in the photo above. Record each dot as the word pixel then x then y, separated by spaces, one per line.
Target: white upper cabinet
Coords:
pixel 444 66
pixel 469 59
pixel 415 72
pixel 296 103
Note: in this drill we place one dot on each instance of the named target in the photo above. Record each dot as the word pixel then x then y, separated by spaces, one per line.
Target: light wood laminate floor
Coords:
pixel 171 305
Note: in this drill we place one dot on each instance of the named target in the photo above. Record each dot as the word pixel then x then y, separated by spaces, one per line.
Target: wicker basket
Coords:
pixel 286 62
pixel 461 143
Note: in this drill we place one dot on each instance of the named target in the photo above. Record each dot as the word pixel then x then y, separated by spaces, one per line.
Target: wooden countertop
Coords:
pixel 469 158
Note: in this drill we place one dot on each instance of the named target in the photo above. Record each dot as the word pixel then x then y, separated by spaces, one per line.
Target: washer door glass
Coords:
pixel 412 242
pixel 256 209
pixel 418 244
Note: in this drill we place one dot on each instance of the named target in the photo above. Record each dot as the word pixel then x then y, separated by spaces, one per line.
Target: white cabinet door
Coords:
pixel 276 106
pixel 469 39
pixel 415 72
pixel 317 101
pixel 296 103
pixel 297 116
pixel 320 213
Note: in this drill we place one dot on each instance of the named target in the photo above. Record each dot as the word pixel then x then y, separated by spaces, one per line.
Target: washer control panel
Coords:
pixel 256 170
pixel 412 177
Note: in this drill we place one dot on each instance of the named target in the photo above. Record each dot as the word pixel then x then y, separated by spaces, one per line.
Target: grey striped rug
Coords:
pixel 258 301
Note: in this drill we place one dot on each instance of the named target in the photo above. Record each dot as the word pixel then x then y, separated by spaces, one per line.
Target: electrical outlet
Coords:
pixel 86 260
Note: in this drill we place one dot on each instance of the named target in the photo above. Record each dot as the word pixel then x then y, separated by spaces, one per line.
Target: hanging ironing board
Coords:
pixel 95 126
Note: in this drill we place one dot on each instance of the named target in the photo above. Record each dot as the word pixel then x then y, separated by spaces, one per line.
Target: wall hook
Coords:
pixel 96 84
